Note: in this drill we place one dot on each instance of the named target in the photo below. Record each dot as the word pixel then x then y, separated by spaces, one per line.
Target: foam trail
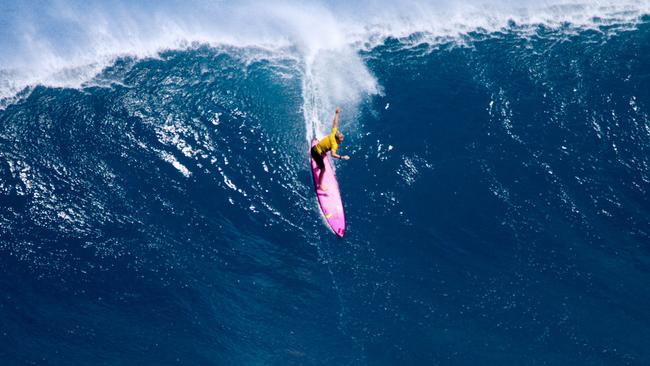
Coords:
pixel 333 78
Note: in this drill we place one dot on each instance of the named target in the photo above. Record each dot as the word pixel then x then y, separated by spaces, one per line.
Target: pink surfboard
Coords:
pixel 330 200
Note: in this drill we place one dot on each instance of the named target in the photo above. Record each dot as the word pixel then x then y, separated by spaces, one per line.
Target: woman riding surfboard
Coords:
pixel 328 144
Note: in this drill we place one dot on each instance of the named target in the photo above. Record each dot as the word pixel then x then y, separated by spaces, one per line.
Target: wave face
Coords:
pixel 156 205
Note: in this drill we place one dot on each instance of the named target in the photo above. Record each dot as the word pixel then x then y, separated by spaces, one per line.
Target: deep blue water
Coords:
pixel 497 205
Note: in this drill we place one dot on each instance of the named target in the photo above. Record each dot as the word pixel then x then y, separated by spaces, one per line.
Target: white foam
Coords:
pixel 172 160
pixel 65 43
pixel 333 78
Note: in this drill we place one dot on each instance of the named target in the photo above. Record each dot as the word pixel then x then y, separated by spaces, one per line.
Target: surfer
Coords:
pixel 328 144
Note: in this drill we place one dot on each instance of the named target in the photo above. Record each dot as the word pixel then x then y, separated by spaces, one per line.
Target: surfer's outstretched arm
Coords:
pixel 339 135
pixel 335 124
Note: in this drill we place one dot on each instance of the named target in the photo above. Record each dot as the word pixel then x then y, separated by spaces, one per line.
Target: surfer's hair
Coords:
pixel 339 136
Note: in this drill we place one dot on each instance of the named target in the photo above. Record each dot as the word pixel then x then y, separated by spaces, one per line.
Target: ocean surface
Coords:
pixel 156 204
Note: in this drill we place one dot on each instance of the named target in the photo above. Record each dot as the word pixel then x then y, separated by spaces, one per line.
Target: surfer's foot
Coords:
pixel 322 187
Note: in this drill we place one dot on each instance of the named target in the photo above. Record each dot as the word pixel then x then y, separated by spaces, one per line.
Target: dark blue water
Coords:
pixel 497 205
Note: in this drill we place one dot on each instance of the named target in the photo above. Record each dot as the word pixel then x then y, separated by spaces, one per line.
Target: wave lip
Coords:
pixel 67 43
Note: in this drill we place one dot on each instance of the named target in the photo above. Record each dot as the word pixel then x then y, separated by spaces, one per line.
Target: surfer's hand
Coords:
pixel 338 110
pixel 345 157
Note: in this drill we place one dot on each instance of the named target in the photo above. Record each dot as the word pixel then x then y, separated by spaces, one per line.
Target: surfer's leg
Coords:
pixel 321 175
pixel 318 158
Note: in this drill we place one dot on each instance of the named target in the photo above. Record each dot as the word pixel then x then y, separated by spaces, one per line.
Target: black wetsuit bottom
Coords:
pixel 318 158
